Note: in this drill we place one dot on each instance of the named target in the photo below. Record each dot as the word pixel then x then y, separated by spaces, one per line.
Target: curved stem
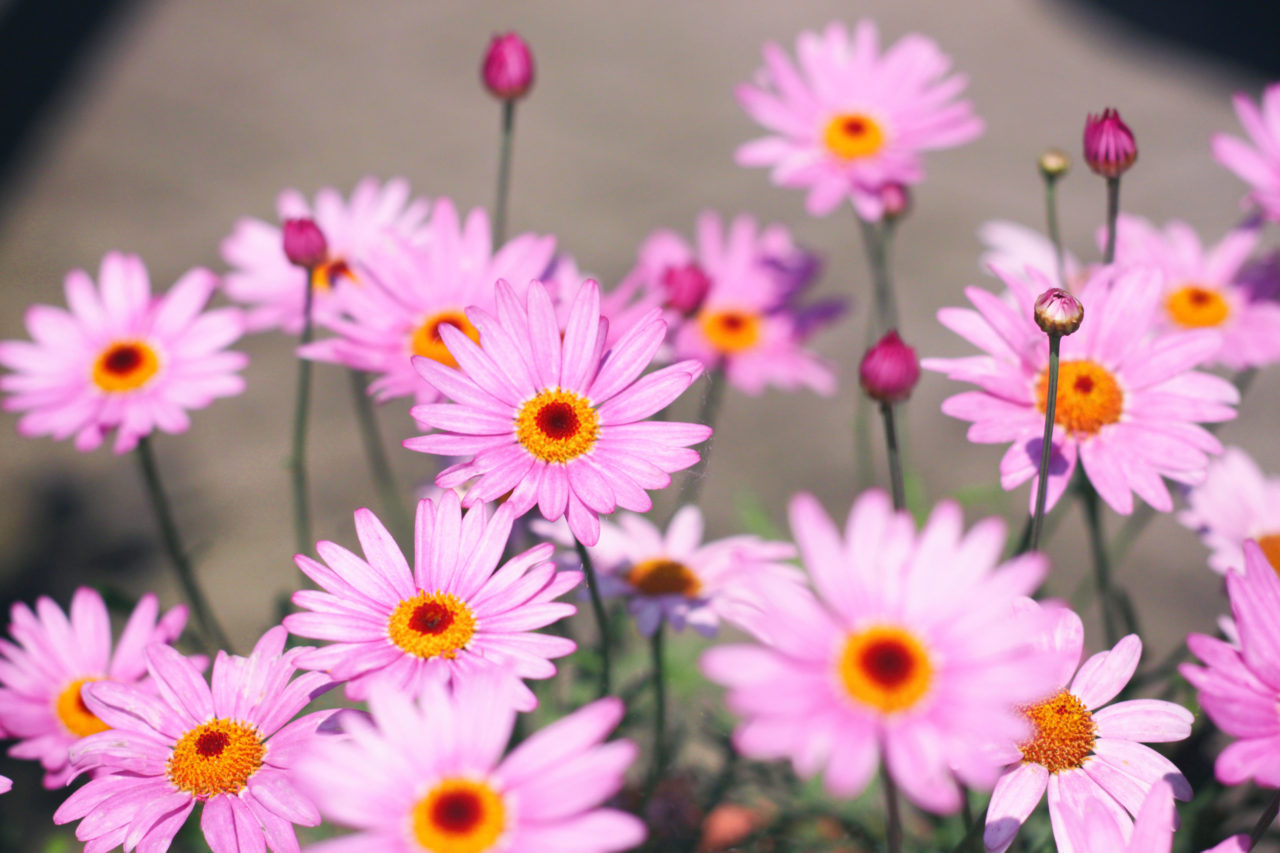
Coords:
pixel 656 643
pixel 504 173
pixel 383 479
pixel 297 461
pixel 1051 223
pixel 602 618
pixel 1113 213
pixel 691 488
pixel 895 457
pixel 1101 561
pixel 1265 820
pixel 877 239
pixel 1046 444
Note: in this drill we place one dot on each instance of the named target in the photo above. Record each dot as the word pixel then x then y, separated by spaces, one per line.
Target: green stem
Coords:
pixel 298 460
pixel 1101 562
pixel 1267 817
pixel 895 457
pixel 384 481
pixel 1051 221
pixel 893 816
pixel 210 630
pixel 1046 444
pixel 1113 213
pixel 602 618
pixel 656 643
pixel 877 240
pixel 504 173
pixel 691 487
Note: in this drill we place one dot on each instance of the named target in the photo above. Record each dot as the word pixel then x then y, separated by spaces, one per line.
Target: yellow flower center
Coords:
pixel 1270 545
pixel 432 624
pixel 327 275
pixel 74 714
pixel 1065 732
pixel 1195 307
pixel 886 668
pixel 730 331
pixel 1089 397
pixel 125 366
pixel 664 577
pixel 557 426
pixel 425 340
pixel 852 136
pixel 217 757
pixel 459 816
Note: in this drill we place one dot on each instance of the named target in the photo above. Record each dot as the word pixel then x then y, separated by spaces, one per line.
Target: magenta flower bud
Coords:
pixel 686 287
pixel 889 370
pixel 1058 312
pixel 1109 147
pixel 507 70
pixel 896 199
pixel 304 243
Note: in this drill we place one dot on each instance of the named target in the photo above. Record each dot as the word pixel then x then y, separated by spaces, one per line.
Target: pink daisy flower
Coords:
pixel 1203 288
pixel 914 652
pixel 120 359
pixel 410 289
pixel 6 784
pixel 1094 829
pixel 1235 502
pixel 1013 247
pixel 1256 162
pixel 53 656
pixel 557 419
pixel 849 119
pixel 274 289
pixel 431 776
pixel 624 306
pixel 1128 403
pixel 1081 752
pixel 231 748
pixel 457 613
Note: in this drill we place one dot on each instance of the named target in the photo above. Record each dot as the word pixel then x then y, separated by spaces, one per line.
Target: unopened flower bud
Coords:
pixel 889 370
pixel 1109 147
pixel 1054 164
pixel 685 287
pixel 896 199
pixel 507 70
pixel 1058 312
pixel 304 243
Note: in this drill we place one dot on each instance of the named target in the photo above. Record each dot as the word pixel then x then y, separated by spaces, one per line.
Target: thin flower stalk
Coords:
pixel 602 618
pixel 504 172
pixel 691 488
pixel 1113 213
pixel 1046 445
pixel 301 408
pixel 383 478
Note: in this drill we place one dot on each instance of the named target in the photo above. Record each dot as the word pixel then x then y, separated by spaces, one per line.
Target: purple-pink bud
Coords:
pixel 304 243
pixel 889 370
pixel 1109 147
pixel 685 287
pixel 1058 312
pixel 896 199
pixel 507 70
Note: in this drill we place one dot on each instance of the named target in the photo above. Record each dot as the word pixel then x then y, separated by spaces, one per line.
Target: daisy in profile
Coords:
pixel 1204 288
pixel 1129 401
pixel 455 614
pixel 121 359
pixel 273 290
pixel 1081 752
pixel 1236 502
pixel 848 119
pixel 231 748
pixel 410 289
pixel 1256 162
pixel 430 775
pixel 914 653
pixel 557 419
pixel 53 655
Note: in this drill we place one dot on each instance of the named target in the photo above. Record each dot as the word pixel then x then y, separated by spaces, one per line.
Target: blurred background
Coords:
pixel 152 127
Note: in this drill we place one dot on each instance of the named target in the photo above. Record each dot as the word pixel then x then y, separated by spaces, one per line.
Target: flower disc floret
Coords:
pixel 429 625
pixel 1065 733
pixel 1089 397
pixel 459 816
pixel 730 330
pixel 125 366
pixel 851 136
pixel 1194 307
pixel 217 757
pixel 557 426
pixel 426 341
pixel 72 711
pixel 662 576
pixel 887 668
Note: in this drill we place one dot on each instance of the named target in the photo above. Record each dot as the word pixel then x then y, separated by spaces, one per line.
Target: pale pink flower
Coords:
pixel 1256 162
pixel 1094 829
pixel 1235 502
pixel 431 776
pixel 1129 403
pixel 1012 247
pixel 53 655
pixel 120 359
pixel 558 419
pixel 623 306
pixel 915 652
pixel 455 614
pixel 1081 752
pixel 274 290
pixel 231 748
pixel 848 119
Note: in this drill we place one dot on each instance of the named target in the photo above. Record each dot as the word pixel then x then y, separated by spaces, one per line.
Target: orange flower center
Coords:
pixel 432 624
pixel 887 668
pixel 125 366
pixel 730 331
pixel 459 816
pixel 327 275
pixel 1065 732
pixel 425 340
pixel 557 425
pixel 217 757
pixel 73 713
pixel 1192 306
pixel 1089 397
pixel 852 136
pixel 1270 545
pixel 664 577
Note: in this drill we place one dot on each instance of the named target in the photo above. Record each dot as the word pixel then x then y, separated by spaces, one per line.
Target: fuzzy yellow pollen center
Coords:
pixel 1196 307
pixel 327 275
pixel 664 577
pixel 730 331
pixel 1089 397
pixel 217 757
pixel 557 426
pixel 1064 736
pixel 886 668
pixel 459 816
pixel 1270 545
pixel 852 136
pixel 426 341
pixel 125 366
pixel 432 624
pixel 74 714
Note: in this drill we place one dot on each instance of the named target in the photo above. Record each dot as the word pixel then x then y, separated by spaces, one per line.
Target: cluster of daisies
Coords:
pixel 874 645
